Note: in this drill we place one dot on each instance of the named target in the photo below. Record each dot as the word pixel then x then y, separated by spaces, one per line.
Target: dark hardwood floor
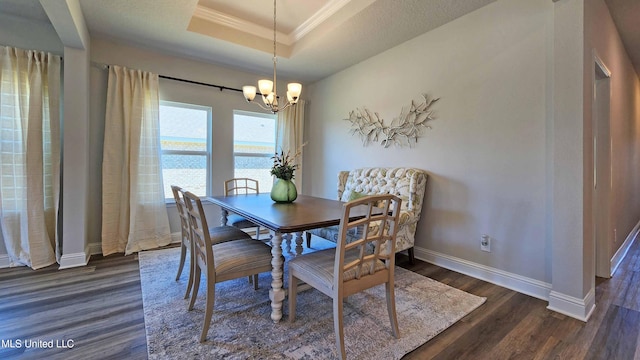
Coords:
pixel 96 311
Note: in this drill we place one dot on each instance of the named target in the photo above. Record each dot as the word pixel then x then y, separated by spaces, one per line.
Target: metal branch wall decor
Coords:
pixel 404 130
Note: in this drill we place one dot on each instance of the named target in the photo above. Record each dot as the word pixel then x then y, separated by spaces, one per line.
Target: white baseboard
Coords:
pixel 580 309
pixel 577 308
pixel 75 259
pixel 617 258
pixel 96 247
pixel 4 261
pixel 521 284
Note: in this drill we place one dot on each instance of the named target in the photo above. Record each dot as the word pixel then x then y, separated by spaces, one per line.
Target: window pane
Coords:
pixel 257 168
pixel 254 134
pixel 183 128
pixel 254 138
pixel 186 171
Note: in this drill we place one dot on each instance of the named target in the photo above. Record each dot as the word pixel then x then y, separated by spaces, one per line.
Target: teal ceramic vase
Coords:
pixel 284 191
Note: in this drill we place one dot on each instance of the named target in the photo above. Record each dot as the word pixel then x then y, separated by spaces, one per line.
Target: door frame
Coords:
pixel 602 175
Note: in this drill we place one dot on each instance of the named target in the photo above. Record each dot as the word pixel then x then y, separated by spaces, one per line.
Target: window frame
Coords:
pixel 207 152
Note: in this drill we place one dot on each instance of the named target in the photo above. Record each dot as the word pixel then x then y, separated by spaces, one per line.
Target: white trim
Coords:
pixel 521 284
pixel 75 259
pixel 617 258
pixel 577 308
pixel 318 18
pixel 242 25
pixel 4 261
pixel 598 61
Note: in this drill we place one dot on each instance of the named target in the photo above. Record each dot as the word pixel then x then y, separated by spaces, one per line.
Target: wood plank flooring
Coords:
pixel 99 308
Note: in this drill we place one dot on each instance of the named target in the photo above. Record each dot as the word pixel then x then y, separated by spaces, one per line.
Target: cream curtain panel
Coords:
pixel 29 155
pixel 134 214
pixel 289 135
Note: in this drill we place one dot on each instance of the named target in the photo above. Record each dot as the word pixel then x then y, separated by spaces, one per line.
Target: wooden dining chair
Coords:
pixel 217 234
pixel 220 261
pixel 185 236
pixel 238 186
pixel 351 267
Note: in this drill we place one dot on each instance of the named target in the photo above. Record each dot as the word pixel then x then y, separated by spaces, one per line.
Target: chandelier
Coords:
pixel 268 87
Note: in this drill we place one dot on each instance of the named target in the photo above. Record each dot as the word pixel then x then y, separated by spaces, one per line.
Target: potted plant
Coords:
pixel 284 166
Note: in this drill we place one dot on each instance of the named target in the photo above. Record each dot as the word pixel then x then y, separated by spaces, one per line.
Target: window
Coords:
pixel 254 143
pixel 185 133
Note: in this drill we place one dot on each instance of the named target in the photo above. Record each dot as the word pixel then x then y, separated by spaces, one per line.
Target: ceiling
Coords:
pixel 316 38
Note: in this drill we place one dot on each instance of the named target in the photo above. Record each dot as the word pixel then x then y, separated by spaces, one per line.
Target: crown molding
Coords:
pixel 238 24
pixel 318 18
pixel 241 25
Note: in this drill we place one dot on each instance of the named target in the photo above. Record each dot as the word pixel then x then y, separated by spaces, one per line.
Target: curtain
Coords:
pixel 29 155
pixel 134 214
pixel 289 135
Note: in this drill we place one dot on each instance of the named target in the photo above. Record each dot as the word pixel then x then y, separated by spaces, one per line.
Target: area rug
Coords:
pixel 241 327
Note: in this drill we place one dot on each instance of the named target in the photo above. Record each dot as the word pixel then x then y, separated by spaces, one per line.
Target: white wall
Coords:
pixel 570 291
pixel 27 34
pixel 486 152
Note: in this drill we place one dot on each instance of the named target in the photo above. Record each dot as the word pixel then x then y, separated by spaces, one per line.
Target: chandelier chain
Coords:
pixel 275 58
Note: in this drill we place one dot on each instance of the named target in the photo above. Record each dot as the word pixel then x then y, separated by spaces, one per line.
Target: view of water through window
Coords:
pixel 184 130
pixel 254 136
pixel 184 138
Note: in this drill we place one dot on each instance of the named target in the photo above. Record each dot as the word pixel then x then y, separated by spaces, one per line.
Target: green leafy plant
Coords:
pixel 284 165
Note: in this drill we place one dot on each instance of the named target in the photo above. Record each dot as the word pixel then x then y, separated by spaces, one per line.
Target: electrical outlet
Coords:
pixel 485 243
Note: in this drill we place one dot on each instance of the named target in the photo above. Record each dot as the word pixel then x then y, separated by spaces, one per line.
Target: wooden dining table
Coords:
pixel 305 213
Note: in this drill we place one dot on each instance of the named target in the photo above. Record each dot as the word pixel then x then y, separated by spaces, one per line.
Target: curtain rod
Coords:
pixel 220 87
pixel 200 83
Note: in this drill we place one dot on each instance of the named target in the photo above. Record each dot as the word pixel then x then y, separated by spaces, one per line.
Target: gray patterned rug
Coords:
pixel 242 328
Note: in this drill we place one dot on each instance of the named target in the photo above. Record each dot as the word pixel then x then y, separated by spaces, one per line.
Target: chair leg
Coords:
pixel 338 325
pixel 258 233
pixel 183 255
pixel 391 308
pixel 190 281
pixel 255 281
pixel 308 235
pixel 412 258
pixel 211 301
pixel 196 285
pixel 293 292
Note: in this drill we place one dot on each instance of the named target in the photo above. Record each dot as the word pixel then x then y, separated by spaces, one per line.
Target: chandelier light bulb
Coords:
pixel 268 99
pixel 249 92
pixel 266 87
pixel 295 89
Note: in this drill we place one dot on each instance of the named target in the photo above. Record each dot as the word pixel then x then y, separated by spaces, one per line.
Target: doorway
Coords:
pixel 601 168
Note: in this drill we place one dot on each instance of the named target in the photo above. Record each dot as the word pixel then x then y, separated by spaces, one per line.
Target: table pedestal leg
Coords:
pixel 277 293
pixel 299 243
pixel 223 217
